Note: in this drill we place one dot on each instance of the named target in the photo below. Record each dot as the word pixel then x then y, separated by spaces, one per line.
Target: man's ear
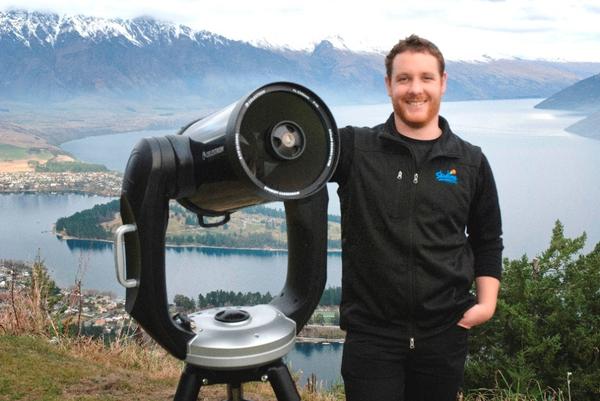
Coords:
pixel 444 82
pixel 388 85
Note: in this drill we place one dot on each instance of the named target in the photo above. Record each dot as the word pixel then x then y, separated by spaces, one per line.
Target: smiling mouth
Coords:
pixel 416 103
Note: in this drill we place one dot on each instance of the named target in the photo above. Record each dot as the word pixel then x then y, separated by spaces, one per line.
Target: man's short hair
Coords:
pixel 417 44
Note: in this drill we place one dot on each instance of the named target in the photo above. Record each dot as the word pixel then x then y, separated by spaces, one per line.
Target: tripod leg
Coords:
pixel 235 392
pixel 189 385
pixel 282 383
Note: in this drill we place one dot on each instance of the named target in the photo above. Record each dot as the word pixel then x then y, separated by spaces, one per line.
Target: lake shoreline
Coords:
pixel 65 237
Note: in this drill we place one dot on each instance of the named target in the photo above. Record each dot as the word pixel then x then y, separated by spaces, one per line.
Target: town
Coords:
pixel 101 314
pixel 91 312
pixel 97 183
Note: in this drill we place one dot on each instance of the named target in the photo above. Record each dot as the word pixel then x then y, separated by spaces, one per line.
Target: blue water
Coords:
pixel 542 172
pixel 26 230
pixel 322 359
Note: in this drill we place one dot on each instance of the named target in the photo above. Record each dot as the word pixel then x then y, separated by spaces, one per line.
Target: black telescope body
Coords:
pixel 279 143
pixel 276 144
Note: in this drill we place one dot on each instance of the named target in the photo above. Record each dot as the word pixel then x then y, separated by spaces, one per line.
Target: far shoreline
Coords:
pixel 65 237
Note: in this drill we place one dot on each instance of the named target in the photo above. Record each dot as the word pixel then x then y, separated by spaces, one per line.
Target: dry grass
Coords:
pixel 24 310
pixel 39 361
pixel 15 166
pixel 59 366
pixel 126 353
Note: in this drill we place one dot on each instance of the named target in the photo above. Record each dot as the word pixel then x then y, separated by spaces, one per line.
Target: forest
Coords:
pixel 332 296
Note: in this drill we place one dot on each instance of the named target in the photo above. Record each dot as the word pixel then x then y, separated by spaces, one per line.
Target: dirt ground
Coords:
pixel 15 166
pixel 22 165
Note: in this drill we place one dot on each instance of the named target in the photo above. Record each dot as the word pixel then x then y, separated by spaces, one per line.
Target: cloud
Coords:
pixel 509 29
pixel 462 28
pixel 592 8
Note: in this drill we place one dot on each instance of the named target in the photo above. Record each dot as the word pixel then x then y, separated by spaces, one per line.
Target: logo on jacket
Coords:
pixel 448 176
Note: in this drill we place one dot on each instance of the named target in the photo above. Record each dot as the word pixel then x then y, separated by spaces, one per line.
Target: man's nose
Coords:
pixel 415 86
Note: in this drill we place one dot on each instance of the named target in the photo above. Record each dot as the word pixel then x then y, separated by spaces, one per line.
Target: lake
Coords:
pixel 542 172
pixel 27 221
pixel 26 229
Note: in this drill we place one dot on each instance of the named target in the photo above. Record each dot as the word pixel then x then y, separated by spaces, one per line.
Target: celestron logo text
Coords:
pixel 212 153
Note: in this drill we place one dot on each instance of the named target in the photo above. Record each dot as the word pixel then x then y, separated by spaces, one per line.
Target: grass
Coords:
pixel 11 152
pixel 35 369
pixel 38 362
pixel 506 391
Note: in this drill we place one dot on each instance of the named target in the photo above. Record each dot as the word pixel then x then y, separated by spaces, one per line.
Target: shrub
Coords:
pixel 547 324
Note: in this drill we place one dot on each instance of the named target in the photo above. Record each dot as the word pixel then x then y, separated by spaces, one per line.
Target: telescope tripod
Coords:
pixel 277 373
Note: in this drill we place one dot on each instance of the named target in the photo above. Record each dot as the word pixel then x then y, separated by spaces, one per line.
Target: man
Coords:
pixel 420 223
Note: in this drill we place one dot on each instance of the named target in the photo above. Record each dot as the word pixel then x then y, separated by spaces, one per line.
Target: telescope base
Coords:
pixel 194 377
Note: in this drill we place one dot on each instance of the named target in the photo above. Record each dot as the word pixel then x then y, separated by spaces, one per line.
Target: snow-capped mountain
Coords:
pixel 42 29
pixel 48 56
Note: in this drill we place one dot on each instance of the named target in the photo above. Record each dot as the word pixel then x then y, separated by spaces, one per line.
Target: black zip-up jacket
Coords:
pixel 413 240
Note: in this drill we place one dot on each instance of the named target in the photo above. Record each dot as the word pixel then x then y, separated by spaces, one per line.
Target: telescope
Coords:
pixel 278 143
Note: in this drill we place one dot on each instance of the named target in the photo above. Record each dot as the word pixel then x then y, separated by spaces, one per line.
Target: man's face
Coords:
pixel 416 88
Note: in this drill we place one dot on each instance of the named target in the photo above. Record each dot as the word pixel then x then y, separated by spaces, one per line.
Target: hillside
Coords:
pixel 34 369
pixel 589 126
pixel 583 96
pixel 42 356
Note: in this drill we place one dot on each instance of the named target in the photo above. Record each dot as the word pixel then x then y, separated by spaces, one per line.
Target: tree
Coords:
pixel 547 323
pixel 331 296
pixel 184 303
pixel 336 318
pixel 319 318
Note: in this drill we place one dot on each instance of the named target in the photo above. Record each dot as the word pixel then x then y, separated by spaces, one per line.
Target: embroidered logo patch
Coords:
pixel 448 176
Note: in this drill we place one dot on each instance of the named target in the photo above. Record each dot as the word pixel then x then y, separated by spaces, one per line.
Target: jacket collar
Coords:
pixel 446 145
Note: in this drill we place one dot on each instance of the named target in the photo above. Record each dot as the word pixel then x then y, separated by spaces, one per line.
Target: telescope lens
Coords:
pixel 287 140
pixel 290 155
pixel 278 143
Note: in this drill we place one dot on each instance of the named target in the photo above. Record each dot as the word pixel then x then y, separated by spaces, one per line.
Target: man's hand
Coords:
pixel 487 295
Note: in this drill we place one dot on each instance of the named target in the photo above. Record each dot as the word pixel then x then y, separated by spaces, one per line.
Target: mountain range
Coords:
pixel 48 57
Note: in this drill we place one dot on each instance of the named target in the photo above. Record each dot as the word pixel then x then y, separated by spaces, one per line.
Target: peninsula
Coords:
pixel 257 228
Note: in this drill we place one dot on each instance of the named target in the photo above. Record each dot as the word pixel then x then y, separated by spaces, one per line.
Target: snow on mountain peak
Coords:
pixel 28 27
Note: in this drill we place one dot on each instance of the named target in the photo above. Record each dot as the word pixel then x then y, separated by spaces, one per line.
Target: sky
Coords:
pixel 566 30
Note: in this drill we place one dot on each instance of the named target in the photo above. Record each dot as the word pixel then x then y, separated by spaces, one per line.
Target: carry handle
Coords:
pixel 119 250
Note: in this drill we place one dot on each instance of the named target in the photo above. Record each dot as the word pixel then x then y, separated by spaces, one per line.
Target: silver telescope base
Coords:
pixel 277 373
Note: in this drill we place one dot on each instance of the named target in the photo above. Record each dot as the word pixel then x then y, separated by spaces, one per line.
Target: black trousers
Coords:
pixel 383 369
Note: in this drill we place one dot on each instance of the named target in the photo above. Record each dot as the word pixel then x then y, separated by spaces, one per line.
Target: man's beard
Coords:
pixel 408 118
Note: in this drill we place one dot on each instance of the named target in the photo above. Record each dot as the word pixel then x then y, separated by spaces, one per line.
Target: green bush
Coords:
pixel 547 324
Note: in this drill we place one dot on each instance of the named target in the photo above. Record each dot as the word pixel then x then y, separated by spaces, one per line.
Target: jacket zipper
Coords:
pixel 411 328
